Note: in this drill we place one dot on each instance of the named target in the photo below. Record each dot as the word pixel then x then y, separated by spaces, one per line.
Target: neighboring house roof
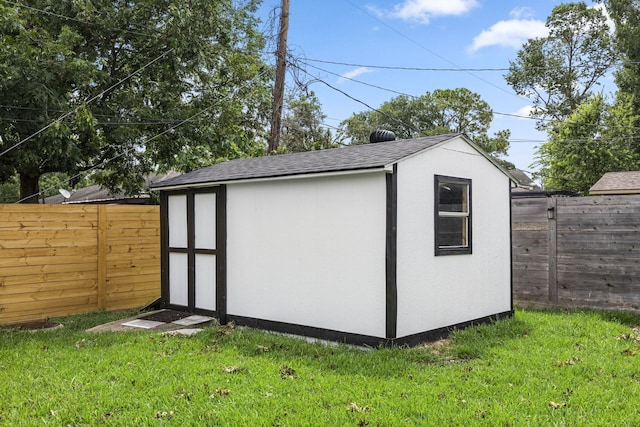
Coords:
pixel 349 158
pixel 99 194
pixel 617 183
pixel 523 182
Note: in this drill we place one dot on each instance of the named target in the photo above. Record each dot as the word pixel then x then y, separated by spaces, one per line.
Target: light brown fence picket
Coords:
pixel 57 260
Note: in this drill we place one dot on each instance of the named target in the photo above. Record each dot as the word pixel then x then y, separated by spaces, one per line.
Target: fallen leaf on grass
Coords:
pixel 628 352
pixel 220 392
pixel 226 329
pixel 287 372
pixel 164 414
pixel 233 369
pixel 556 405
pixel 569 362
pixel 634 335
pixel 355 408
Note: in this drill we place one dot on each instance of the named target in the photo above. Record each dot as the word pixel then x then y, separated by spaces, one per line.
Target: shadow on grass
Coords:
pixel 463 345
pixel 477 342
pixel 626 318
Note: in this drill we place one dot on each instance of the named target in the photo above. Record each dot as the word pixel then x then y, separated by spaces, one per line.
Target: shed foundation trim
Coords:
pixel 357 339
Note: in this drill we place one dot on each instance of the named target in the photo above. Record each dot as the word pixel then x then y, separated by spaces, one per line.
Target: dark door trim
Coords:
pixel 220 251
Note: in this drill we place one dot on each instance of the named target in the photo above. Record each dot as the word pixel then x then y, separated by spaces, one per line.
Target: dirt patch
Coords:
pixel 166 316
pixel 38 325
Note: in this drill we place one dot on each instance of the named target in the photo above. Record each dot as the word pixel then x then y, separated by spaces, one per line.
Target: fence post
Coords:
pixel 552 216
pixel 102 257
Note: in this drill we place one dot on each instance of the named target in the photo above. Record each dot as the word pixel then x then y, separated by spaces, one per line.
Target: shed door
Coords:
pixel 194 255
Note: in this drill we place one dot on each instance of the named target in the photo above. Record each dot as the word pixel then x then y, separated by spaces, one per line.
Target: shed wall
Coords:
pixel 309 252
pixel 439 291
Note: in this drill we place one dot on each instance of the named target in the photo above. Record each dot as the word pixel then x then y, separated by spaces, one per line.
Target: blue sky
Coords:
pixel 441 34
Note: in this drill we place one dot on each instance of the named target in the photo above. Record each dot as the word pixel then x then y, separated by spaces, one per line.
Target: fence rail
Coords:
pixel 577 251
pixel 57 260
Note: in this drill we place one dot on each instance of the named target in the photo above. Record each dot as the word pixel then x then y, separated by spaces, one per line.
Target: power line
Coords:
pixel 392 67
pixel 104 162
pixel 459 69
pixel 68 18
pixel 519 116
pixel 401 34
pixel 515 141
pixel 64 116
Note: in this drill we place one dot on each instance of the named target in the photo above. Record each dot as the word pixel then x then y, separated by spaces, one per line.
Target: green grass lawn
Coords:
pixel 579 368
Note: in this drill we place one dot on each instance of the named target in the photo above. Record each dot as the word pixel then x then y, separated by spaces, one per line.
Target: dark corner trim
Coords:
pixel 221 262
pixel 391 254
pixel 191 252
pixel 164 249
pixel 357 339
pixel 510 245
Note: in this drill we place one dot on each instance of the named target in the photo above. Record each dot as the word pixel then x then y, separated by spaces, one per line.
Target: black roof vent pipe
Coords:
pixel 382 135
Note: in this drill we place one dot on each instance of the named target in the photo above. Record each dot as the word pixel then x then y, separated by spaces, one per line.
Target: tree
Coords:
pixel 444 110
pixel 626 16
pixel 559 71
pixel 125 87
pixel 577 154
pixel 302 124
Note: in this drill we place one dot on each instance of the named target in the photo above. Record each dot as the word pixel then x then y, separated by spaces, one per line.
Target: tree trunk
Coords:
pixel 29 188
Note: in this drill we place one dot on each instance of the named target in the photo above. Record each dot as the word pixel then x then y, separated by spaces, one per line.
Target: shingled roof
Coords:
pixel 617 183
pixel 349 158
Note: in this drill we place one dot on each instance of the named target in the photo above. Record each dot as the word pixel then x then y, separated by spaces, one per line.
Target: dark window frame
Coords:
pixel 452 250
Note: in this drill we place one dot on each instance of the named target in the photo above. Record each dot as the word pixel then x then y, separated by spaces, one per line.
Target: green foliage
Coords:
pixel 596 139
pixel 538 368
pixel 443 111
pixel 170 75
pixel 10 190
pixel 559 72
pixel 302 125
pixel 626 16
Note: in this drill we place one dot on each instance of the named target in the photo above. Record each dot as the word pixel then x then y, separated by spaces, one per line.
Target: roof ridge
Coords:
pixel 347 158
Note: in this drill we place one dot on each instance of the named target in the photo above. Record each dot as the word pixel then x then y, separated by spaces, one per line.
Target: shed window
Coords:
pixel 452 215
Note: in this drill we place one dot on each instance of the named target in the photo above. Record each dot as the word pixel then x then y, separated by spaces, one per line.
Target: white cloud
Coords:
pixel 524 111
pixel 353 74
pixel 512 33
pixel 423 10
pixel 522 13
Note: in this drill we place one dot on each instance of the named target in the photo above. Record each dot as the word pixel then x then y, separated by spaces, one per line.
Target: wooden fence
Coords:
pixel 577 251
pixel 57 260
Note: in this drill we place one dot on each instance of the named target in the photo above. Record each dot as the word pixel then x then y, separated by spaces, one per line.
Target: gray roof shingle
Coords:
pixel 357 157
pixel 617 183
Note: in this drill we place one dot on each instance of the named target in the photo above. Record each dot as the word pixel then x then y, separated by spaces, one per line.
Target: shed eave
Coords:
pixel 382 169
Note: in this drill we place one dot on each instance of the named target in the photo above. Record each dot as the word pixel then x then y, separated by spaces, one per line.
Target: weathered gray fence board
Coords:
pixel 588 255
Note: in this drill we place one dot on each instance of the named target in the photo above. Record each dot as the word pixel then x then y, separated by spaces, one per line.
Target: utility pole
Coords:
pixel 278 89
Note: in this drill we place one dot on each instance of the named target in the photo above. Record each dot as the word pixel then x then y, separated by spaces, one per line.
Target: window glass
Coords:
pixel 453 197
pixel 453 215
pixel 452 232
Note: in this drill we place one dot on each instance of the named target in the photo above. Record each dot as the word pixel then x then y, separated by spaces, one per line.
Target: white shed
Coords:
pixel 389 242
